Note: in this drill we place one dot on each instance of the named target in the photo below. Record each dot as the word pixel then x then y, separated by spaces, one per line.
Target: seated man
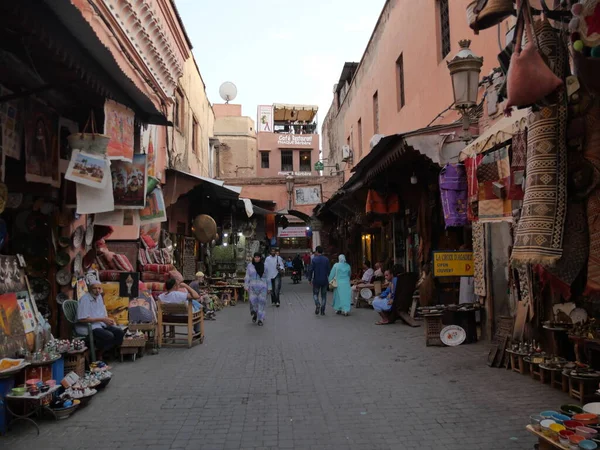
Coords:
pixel 200 286
pixel 367 277
pixel 91 309
pixel 174 295
pixel 383 302
pixel 378 270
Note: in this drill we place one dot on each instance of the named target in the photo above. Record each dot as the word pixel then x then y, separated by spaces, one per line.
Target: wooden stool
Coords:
pixel 516 363
pixel 433 328
pixel 132 347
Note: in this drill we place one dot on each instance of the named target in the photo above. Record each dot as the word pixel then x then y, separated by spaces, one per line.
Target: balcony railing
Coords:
pixel 309 128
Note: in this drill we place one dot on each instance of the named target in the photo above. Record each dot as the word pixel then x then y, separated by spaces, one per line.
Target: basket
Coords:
pixel 64 413
pixel 75 362
pixel 89 142
pixel 486 14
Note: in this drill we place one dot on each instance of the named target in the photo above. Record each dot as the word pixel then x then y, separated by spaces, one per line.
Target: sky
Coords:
pixel 277 51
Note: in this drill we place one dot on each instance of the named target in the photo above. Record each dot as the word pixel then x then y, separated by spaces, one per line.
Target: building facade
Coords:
pixel 236 153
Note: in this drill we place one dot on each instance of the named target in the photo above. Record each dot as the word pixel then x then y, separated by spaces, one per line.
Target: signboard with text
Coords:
pixel 453 264
pixel 265 118
pixel 299 140
pixel 291 232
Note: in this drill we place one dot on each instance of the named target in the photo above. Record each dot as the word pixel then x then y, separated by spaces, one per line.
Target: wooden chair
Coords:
pixel 69 308
pixel 179 315
pixel 405 287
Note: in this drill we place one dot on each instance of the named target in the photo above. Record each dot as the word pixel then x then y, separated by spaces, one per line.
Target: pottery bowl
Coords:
pixel 535 420
pixel 588 445
pixel 563 436
pixel 32 382
pixel 576 439
pixel 18 391
pixel 586 418
pixel 546 430
pixel 586 432
pixel 570 410
pixel 592 408
pixel 560 418
pixel 572 424
pixel 548 414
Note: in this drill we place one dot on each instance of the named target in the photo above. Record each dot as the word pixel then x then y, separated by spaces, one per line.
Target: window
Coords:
pixel 178 110
pixel 287 161
pixel 264 160
pixel 360 138
pixel 376 113
pixel 400 81
pixel 444 27
pixel 305 165
pixel 195 147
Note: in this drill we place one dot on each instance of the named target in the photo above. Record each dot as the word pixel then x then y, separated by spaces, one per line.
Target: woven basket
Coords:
pixel 75 363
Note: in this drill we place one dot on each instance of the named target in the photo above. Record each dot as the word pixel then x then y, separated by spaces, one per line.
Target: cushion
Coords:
pixel 143 257
pixel 151 276
pixel 176 274
pixel 109 275
pixel 121 262
pixel 148 241
pixel 158 268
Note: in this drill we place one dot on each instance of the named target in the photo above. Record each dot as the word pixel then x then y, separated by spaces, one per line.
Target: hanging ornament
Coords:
pixel 586 21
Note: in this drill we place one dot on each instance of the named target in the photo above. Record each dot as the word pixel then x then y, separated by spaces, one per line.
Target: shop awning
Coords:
pixel 83 44
pixel 499 132
pixel 252 209
pixel 292 113
pixel 180 183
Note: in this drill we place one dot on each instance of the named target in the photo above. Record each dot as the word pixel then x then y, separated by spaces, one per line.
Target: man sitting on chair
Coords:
pixel 91 309
pixel 384 301
pixel 367 277
pixel 174 295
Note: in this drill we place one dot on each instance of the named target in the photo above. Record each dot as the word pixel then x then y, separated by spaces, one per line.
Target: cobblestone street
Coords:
pixel 304 382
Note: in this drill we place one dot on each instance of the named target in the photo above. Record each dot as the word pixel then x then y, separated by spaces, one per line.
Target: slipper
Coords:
pixel 382 323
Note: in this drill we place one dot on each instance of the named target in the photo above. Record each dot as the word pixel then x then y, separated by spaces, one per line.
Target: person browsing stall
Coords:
pixel 91 309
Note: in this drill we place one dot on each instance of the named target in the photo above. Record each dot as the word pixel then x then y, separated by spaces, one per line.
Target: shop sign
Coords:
pixel 453 264
pixel 319 166
pixel 292 232
pixel 265 118
pixel 296 174
pixel 302 140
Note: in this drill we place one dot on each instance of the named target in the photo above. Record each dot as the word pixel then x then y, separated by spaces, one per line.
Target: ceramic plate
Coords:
pixel 453 335
pixel 63 277
pixel 40 288
pixel 77 237
pixel 62 258
pixel 64 242
pixel 61 298
pixel 89 235
pixel 592 408
pixel 579 315
pixel 77 265
pixel 366 293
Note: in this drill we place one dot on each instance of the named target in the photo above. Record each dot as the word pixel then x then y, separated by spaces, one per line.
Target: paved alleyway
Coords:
pixel 304 382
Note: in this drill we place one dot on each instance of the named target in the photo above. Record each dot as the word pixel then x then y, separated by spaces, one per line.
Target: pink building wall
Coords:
pixel 227 110
pixel 274 143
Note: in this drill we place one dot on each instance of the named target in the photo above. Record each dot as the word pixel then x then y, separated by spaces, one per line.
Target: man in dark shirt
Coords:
pixel 318 276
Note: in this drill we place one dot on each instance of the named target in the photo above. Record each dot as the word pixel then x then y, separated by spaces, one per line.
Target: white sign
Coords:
pixel 305 140
pixel 296 174
pixel 291 232
pixel 265 118
pixel 307 195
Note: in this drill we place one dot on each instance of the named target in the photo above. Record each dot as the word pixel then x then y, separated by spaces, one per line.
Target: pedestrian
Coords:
pixel 306 261
pixel 273 268
pixel 384 301
pixel 319 278
pixel 258 285
pixel 342 291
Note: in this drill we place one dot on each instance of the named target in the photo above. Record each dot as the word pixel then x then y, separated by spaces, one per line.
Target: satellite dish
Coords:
pixel 228 91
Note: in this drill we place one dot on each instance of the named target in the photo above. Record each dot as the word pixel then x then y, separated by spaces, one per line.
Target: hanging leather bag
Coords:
pixel 529 78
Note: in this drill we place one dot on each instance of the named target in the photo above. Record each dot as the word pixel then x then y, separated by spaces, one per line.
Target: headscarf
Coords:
pixel 259 266
pixel 342 259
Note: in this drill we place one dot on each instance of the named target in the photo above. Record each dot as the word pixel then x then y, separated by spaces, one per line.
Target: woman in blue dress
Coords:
pixel 342 294
pixel 258 286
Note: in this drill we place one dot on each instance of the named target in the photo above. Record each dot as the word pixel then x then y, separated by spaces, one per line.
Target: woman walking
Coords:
pixel 342 293
pixel 258 286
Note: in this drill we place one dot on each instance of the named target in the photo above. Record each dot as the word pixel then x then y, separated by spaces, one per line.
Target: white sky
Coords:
pixel 277 51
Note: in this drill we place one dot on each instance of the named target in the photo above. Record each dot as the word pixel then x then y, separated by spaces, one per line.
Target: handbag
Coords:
pixel 529 78
pixel 333 283
pixel 482 14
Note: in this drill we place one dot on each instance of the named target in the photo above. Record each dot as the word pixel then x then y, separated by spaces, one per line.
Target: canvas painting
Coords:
pixel 27 314
pixel 12 277
pixel 153 230
pixel 92 201
pixel 12 330
pixel 149 141
pixel 10 133
pixel 116 306
pixel 118 124
pixel 142 308
pixel 82 288
pixel 41 145
pixel 129 183
pixel 155 210
pixel 87 169
pixel 308 195
pixel 129 284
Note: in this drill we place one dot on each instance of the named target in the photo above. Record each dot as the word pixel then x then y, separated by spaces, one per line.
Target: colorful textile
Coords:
pixel 453 192
pixel 121 262
pixel 479 258
pixel 257 287
pixel 382 204
pixel 151 276
pixel 158 268
pixel 471 165
pixel 494 168
pixel 119 125
pixel 109 275
pixel 517 164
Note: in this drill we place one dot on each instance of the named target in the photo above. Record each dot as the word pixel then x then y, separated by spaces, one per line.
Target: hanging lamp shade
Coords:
pixel 205 228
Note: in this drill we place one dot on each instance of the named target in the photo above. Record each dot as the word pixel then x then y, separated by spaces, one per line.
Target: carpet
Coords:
pixel 494 168
pixel 479 258
pixel 471 165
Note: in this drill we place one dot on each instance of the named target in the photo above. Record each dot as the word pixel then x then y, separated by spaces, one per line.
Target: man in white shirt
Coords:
pixel 357 285
pixel 274 267
pixel 174 295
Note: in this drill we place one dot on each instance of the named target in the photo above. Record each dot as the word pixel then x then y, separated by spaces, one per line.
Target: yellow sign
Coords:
pixel 453 264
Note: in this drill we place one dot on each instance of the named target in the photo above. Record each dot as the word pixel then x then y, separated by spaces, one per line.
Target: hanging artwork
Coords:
pixel 87 169
pixel 26 310
pixel 82 288
pixel 12 330
pixel 152 230
pixel 129 284
pixel 66 127
pixel 116 306
pixel 10 135
pixel 149 142
pixel 41 145
pixel 155 210
pixel 12 277
pixel 129 183
pixel 91 200
pixel 118 124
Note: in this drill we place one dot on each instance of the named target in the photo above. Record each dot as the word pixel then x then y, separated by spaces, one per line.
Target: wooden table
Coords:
pixel 234 287
pixel 544 442
pixel 554 376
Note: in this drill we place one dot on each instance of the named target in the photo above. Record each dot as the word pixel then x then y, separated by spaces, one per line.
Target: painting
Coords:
pixel 155 210
pixel 129 183
pixel 129 284
pixel 89 170
pixel 12 330
pixel 12 277
pixel 118 124
pixel 27 314
pixel 82 288
pixel 149 141
pixel 153 230
pixel 142 308
pixel 10 133
pixel 41 145
pixel 116 306
pixel 307 195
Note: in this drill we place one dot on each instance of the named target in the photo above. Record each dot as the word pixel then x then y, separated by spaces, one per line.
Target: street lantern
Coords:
pixel 465 68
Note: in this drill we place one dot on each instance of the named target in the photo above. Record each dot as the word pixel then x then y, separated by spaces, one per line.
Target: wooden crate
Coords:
pixel 75 362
